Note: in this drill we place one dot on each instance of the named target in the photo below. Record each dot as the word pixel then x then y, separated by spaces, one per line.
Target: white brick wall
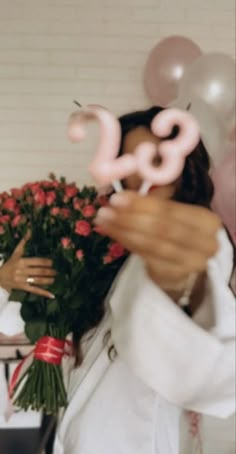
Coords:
pixel 54 51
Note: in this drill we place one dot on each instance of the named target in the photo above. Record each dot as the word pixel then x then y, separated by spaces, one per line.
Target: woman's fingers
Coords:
pixel 140 232
pixel 185 259
pixel 35 262
pixel 18 269
pixel 34 280
pixel 19 250
pixel 194 216
pixel 34 271
pixel 39 270
pixel 42 280
pixel 36 290
pixel 174 239
pixel 188 226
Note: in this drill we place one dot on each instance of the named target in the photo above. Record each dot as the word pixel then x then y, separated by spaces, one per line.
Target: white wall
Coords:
pixel 54 51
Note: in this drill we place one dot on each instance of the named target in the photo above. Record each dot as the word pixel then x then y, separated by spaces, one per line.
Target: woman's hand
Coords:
pixel 17 270
pixel 174 239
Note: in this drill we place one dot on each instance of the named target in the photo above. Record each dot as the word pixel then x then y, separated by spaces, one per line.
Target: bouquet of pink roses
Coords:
pixel 60 218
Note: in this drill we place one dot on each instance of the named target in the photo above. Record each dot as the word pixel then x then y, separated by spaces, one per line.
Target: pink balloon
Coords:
pixel 173 152
pixel 224 202
pixel 165 67
pixel 107 168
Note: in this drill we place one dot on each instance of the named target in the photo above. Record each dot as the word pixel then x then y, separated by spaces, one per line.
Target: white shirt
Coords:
pixel 165 362
pixel 11 322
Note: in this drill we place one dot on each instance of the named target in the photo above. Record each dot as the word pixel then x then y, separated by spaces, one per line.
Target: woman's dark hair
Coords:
pixel 195 187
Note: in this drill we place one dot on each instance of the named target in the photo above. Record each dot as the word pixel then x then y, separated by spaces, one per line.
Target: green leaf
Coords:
pixel 60 285
pixel 27 312
pixel 17 295
pixel 35 299
pixel 52 307
pixel 76 302
pixel 34 330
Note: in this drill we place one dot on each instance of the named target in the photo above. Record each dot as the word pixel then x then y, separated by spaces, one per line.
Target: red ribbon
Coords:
pixel 48 349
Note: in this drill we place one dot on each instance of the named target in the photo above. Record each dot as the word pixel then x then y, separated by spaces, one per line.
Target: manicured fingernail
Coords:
pixel 120 200
pixel 104 214
pixel 51 296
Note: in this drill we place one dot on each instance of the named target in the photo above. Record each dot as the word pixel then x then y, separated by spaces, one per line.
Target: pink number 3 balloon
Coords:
pixel 106 168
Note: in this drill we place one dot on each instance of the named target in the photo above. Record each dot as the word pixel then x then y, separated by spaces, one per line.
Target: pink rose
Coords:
pixel 49 184
pixel 89 211
pixel 55 184
pixel 82 228
pixel 9 204
pixel 103 200
pixel 17 210
pixel 34 187
pixel 55 211
pixel 79 254
pixel 4 219
pixel 76 204
pixel 26 186
pixel 17 193
pixel 50 197
pixel 66 243
pixel 65 212
pixel 66 199
pixel 3 196
pixel 29 199
pixel 116 250
pixel 16 221
pixel 45 184
pixel 40 197
pixel 107 259
pixel 98 229
pixel 70 191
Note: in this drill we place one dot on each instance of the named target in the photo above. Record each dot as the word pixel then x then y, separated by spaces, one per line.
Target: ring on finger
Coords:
pixel 30 280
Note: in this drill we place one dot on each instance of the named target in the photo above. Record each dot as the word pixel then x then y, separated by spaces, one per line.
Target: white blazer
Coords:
pixel 165 362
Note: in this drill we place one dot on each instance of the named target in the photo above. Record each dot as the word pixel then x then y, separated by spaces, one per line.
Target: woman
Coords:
pixel 163 359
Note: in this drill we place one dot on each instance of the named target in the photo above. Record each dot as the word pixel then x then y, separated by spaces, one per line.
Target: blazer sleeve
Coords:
pixel 189 362
pixel 11 322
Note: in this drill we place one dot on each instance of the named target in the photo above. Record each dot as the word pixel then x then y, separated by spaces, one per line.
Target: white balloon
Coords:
pixel 211 79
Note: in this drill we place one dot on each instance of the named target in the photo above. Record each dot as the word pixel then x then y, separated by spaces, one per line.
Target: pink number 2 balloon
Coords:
pixel 106 168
